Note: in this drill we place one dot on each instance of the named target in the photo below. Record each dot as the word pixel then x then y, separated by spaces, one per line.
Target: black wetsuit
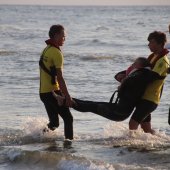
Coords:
pixel 131 90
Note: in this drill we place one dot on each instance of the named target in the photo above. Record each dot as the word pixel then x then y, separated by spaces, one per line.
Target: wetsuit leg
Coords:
pixel 108 110
pixel 85 106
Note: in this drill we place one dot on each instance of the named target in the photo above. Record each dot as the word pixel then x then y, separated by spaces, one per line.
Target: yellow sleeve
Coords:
pixel 161 66
pixel 58 60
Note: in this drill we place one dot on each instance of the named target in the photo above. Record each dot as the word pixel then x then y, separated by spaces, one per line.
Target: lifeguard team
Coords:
pixel 139 93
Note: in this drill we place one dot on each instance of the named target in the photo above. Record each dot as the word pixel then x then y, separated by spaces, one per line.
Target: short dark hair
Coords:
pixel 158 36
pixel 144 62
pixel 55 29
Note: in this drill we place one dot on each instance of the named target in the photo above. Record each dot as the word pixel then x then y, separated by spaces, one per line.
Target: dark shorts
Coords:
pixel 143 111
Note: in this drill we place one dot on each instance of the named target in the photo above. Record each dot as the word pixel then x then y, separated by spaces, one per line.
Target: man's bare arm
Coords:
pixel 63 87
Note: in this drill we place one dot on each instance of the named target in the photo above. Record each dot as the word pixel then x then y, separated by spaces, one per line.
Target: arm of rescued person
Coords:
pixel 120 76
pixel 127 82
pixel 63 86
pixel 155 76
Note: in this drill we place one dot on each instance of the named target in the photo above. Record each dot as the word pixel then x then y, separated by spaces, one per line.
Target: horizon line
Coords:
pixel 78 5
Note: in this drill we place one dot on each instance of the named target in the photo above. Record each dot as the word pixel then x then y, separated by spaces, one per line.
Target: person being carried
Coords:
pixel 130 91
pixel 51 78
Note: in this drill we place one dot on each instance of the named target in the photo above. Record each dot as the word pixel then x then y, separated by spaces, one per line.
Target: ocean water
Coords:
pixel 100 42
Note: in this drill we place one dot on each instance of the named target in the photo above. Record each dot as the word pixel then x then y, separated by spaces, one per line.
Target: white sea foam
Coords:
pixel 34 127
pixel 119 135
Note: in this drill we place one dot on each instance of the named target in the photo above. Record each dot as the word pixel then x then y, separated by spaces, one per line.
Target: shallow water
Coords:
pixel 101 41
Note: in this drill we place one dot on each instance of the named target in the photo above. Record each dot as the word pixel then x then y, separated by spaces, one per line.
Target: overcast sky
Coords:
pixel 88 2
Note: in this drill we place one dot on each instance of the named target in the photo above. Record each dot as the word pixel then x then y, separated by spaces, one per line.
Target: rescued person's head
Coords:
pixel 141 62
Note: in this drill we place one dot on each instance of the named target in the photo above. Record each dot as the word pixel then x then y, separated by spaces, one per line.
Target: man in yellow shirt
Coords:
pixel 150 100
pixel 51 79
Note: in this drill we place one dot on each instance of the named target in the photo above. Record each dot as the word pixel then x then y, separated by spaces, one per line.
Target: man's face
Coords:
pixel 60 38
pixel 153 45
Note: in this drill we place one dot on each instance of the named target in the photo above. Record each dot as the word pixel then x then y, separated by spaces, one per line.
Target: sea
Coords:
pixel 100 41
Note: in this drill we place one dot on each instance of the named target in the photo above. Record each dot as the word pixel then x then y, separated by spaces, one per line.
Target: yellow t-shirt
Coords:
pixel 153 91
pixel 51 57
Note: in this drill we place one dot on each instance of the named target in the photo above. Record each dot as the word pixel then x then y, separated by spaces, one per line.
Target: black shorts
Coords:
pixel 143 111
